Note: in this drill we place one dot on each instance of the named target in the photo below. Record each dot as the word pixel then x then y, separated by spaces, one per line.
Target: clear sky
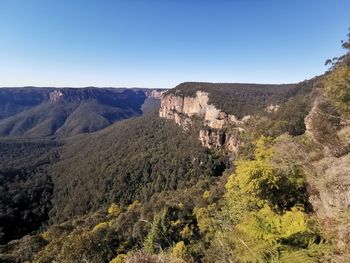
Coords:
pixel 160 43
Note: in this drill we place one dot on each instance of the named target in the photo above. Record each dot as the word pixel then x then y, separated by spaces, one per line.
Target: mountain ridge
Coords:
pixel 36 112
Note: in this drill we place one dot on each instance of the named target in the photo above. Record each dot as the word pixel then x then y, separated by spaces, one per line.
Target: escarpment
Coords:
pixel 37 112
pixel 154 94
pixel 180 109
pixel 222 108
pixel 184 110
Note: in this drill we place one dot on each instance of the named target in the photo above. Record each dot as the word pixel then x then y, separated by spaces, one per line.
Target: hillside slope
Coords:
pixel 38 112
pixel 25 185
pixel 128 161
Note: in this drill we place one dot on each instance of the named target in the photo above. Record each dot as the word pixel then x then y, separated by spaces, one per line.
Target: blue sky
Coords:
pixel 160 43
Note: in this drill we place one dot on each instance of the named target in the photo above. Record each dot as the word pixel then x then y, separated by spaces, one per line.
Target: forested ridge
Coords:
pixel 129 161
pixel 62 112
pixel 239 99
pixel 25 185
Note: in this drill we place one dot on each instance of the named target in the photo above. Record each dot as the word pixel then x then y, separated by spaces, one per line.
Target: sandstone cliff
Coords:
pixel 182 110
pixel 154 94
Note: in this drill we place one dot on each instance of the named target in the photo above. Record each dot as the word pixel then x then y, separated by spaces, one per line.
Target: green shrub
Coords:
pixel 337 86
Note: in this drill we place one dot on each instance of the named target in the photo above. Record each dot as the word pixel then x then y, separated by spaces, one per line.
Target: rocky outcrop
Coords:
pixel 217 139
pixel 232 144
pixel 178 109
pixel 329 166
pixel 154 94
pixel 56 95
pixel 212 138
pixel 272 108
pixel 331 133
pixel 333 191
pixel 182 110
pixel 328 129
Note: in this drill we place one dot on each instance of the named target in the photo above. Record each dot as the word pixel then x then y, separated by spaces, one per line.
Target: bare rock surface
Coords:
pixel 182 109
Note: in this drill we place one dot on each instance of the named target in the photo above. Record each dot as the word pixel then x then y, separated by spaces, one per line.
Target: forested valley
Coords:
pixel 145 189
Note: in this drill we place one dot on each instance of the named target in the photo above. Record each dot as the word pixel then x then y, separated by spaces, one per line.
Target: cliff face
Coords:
pixel 104 95
pixel 56 95
pixel 182 109
pixel 179 108
pixel 154 94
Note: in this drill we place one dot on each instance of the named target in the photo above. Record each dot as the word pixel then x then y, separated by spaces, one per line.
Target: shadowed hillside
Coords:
pixel 38 112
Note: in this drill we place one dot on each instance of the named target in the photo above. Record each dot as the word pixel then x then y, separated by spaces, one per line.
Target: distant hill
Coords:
pixel 38 112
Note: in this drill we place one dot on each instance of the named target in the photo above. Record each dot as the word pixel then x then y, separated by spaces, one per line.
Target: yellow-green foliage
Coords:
pixel 265 218
pixel 204 218
pixel 271 227
pixel 157 238
pixel 186 232
pixel 119 259
pixel 267 236
pixel 114 209
pixel 143 257
pixel 181 205
pixel 46 236
pixel 179 250
pixel 263 151
pixel 100 226
pixel 337 86
pixel 247 183
pixel 206 194
pixel 175 223
pixel 257 183
pixel 82 245
pixel 172 226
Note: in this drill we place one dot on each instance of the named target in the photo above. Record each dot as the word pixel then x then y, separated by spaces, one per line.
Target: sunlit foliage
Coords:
pixel 337 86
